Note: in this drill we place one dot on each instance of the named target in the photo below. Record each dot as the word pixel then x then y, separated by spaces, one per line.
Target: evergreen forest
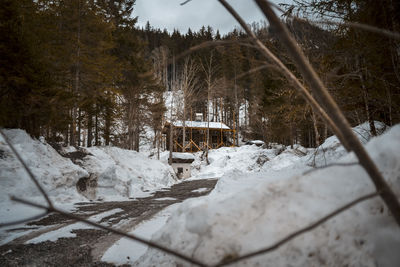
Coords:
pixel 82 73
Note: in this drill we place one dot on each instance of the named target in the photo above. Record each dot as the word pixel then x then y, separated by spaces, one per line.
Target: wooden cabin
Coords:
pixel 196 135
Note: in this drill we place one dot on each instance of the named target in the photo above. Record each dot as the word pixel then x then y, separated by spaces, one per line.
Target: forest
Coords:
pixel 82 73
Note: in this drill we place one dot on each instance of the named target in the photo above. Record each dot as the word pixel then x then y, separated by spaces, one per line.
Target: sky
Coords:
pixel 169 14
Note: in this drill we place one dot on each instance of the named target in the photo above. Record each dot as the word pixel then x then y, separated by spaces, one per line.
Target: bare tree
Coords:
pixel 188 83
pixel 159 57
pixel 210 73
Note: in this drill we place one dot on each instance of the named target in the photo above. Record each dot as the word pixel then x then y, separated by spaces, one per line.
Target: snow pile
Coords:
pixel 331 150
pixel 288 158
pixel 249 158
pixel 247 212
pixel 114 173
pixel 58 175
pixel 123 173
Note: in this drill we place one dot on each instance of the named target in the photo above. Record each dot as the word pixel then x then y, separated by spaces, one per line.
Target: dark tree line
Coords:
pixel 70 71
pixel 78 72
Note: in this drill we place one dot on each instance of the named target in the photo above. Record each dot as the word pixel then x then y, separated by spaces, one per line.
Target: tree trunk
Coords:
pixel 90 129
pixel 366 100
pixel 317 137
pixel 158 144
pixel 325 134
pixel 79 127
pixel 184 129
pixel 389 103
pixel 77 78
pixel 96 127
pixel 137 136
pixel 171 137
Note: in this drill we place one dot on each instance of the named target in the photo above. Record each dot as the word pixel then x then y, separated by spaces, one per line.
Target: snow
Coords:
pixel 118 174
pixel 331 150
pixel 56 174
pixel 127 251
pixel 255 142
pixel 255 208
pixel 165 198
pixel 186 156
pixel 241 159
pixel 126 174
pixel 200 190
pixel 67 231
pixel 261 196
pixel 201 124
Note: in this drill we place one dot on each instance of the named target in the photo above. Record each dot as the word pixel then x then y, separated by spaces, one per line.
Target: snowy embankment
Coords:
pixel 109 172
pixel 249 211
pixel 57 175
pixel 121 173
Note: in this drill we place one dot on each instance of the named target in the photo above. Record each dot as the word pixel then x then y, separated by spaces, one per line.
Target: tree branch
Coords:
pixel 257 69
pixel 109 229
pixel 325 99
pixel 33 178
pixel 287 73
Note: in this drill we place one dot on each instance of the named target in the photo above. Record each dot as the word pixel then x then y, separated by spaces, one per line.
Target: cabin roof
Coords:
pixel 201 124
pixel 182 157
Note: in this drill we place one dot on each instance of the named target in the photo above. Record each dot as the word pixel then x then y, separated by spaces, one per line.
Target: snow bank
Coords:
pixel 331 150
pixel 250 211
pixel 248 158
pixel 115 174
pixel 123 173
pixel 56 174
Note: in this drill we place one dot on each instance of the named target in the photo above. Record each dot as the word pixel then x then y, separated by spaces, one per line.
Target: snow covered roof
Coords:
pixel 202 124
pixel 255 142
pixel 177 155
pixel 182 157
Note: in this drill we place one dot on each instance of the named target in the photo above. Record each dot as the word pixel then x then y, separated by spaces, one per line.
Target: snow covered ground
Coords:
pixel 114 174
pixel 126 174
pixel 126 251
pixel 261 196
pixel 253 208
pixel 58 176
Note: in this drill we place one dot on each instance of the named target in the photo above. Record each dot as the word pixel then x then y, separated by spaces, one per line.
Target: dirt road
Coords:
pixel 87 248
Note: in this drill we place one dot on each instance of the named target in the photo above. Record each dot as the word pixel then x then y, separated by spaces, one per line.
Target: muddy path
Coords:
pixel 88 246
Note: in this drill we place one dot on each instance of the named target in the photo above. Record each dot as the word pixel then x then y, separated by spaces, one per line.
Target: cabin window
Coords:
pixel 180 170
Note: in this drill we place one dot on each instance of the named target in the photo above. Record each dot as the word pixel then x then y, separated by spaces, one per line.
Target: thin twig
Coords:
pixel 23 220
pixel 31 175
pixel 111 230
pixel 323 97
pixel 286 239
pixel 184 3
pixel 361 26
pixel 330 165
pixel 273 66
